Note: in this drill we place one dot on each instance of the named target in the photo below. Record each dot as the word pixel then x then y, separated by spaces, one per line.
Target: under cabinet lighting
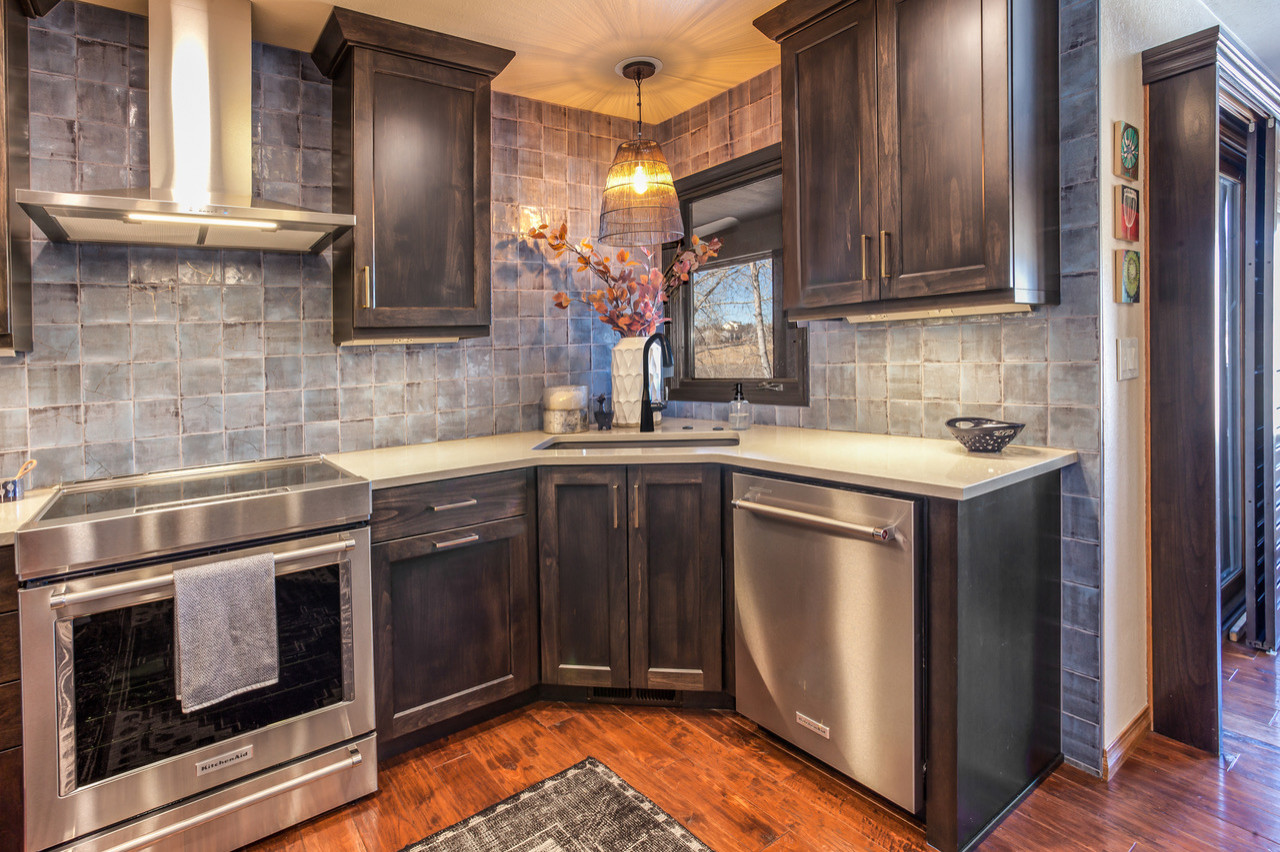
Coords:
pixel 178 219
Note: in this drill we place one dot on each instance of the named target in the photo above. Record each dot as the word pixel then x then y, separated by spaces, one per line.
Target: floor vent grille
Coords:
pixel 634 696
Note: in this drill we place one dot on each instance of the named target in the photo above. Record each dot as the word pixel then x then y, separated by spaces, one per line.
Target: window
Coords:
pixel 727 323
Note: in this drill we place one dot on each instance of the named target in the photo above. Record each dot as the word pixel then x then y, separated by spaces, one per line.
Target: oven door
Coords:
pixel 105 737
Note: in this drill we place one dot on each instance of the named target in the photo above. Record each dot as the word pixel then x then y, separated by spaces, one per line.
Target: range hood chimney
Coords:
pixel 199 79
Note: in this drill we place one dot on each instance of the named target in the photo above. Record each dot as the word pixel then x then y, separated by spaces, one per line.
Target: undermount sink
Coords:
pixel 638 440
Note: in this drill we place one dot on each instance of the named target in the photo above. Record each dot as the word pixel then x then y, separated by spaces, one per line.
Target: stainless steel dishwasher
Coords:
pixel 828 627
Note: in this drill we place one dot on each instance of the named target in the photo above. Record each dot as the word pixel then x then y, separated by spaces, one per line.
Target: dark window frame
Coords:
pixel 790 385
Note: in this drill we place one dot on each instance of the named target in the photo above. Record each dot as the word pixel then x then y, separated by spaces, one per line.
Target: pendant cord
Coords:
pixel 639 111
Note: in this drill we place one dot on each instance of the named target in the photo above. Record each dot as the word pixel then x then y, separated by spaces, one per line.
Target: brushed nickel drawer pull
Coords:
pixel 470 538
pixel 464 503
pixel 368 288
pixel 615 506
pixel 635 508
pixel 866 250
pixel 884 254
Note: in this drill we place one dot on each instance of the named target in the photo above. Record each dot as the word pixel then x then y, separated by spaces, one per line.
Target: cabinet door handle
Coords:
pixel 368 288
pixel 471 538
pixel 464 503
pixel 866 250
pixel 615 506
pixel 884 254
pixel 635 505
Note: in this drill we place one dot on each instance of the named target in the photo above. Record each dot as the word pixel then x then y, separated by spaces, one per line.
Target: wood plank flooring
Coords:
pixel 741 790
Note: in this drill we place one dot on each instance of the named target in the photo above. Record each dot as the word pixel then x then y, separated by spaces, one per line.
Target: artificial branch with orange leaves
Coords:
pixel 631 299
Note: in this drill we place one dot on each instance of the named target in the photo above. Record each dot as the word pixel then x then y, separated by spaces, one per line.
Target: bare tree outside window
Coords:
pixel 732 332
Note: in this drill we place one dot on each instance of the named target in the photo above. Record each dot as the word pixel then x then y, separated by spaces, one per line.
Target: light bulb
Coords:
pixel 639 181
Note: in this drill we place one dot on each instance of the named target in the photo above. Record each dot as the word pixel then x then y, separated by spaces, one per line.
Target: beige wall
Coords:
pixel 1126 28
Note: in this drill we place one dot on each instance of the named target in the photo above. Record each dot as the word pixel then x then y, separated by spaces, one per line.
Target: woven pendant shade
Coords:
pixel 640 207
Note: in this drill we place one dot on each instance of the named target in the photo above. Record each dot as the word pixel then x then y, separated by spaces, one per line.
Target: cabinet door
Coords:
pixel 944 159
pixel 420 194
pixel 676 577
pixel 829 160
pixel 582 544
pixel 455 615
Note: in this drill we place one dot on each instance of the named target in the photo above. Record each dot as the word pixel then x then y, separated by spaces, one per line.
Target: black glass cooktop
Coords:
pixel 126 495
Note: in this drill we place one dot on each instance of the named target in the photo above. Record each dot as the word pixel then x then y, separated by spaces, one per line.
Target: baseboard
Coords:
pixel 1124 744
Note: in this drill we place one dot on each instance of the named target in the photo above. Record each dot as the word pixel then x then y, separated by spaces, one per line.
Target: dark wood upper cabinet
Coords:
pixel 829 160
pixel 921 151
pixel 411 160
pixel 15 171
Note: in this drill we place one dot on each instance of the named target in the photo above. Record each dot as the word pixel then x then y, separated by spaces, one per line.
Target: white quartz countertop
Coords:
pixel 924 466
pixel 15 514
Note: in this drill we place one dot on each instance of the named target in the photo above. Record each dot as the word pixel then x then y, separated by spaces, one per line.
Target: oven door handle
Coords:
pixel 149 584
pixel 350 760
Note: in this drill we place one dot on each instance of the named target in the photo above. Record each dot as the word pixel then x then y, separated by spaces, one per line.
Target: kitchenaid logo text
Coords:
pixel 223 760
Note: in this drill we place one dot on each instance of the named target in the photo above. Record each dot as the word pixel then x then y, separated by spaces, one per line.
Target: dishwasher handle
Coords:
pixel 879 535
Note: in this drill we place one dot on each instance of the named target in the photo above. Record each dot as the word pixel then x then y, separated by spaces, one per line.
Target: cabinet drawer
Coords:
pixel 10 715
pixel 8 580
pixel 9 669
pixel 452 503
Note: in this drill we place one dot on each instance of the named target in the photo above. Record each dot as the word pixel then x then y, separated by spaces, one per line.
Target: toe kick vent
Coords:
pixel 634 696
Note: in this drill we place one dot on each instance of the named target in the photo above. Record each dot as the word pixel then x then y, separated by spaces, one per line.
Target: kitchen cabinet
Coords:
pixel 920 156
pixel 455 600
pixel 10 707
pixel 15 227
pixel 411 160
pixel 631 577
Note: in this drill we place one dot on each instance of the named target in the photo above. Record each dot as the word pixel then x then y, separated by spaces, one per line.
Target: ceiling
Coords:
pixel 1256 23
pixel 566 50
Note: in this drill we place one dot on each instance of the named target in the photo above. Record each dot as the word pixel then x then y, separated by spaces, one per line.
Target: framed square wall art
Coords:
pixel 1128 276
pixel 1127 151
pixel 1128 214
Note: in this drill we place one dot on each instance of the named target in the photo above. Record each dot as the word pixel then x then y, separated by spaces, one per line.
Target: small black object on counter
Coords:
pixel 982 434
pixel 604 417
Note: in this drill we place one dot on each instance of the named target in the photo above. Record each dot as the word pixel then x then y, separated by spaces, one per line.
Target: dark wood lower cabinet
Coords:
pixel 676 580
pixel 10 708
pixel 11 796
pixel 582 555
pixel 455 615
pixel 631 577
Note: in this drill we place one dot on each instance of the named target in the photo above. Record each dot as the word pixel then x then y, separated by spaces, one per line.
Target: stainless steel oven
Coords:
pixel 110 760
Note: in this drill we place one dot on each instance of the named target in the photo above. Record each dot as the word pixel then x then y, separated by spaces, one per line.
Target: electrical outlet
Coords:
pixel 1126 358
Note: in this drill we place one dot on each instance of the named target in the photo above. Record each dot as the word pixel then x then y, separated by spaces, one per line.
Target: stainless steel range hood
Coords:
pixel 199 82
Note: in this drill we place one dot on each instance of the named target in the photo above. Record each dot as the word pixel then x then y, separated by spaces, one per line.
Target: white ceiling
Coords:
pixel 566 50
pixel 1254 22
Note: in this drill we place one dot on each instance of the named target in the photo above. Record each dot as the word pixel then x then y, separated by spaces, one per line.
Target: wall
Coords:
pixel 909 378
pixel 153 358
pixel 1127 27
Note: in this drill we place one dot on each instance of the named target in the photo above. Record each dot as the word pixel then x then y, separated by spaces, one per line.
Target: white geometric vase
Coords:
pixel 628 379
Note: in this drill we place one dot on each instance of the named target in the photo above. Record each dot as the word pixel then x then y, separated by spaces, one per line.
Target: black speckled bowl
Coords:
pixel 983 435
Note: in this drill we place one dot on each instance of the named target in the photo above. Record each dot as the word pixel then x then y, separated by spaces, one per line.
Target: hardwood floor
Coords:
pixel 740 789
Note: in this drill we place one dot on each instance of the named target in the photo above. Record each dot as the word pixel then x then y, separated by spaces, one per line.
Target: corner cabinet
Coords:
pixel 411 160
pixel 920 155
pixel 631 577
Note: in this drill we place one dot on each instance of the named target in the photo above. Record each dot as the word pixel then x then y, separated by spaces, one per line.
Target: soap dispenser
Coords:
pixel 739 410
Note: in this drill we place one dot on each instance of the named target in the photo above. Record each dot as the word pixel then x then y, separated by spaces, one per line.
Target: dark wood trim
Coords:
pixel 8 580
pixel 1244 76
pixel 347 28
pixel 1182 197
pixel 15 173
pixel 38 8
pixel 790 383
pixel 1124 744
pixel 783 20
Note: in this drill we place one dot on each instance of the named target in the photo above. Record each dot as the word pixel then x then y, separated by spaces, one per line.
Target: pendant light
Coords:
pixel 639 207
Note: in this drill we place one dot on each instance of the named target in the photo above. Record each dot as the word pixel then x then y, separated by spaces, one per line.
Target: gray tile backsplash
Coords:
pixel 152 358
pixel 149 358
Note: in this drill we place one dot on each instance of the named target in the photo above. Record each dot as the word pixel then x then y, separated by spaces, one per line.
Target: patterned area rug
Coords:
pixel 586 808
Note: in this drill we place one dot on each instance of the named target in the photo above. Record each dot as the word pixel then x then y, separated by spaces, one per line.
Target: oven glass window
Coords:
pixel 126 712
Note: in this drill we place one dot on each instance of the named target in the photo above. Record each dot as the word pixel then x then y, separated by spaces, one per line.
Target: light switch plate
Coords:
pixel 1126 358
